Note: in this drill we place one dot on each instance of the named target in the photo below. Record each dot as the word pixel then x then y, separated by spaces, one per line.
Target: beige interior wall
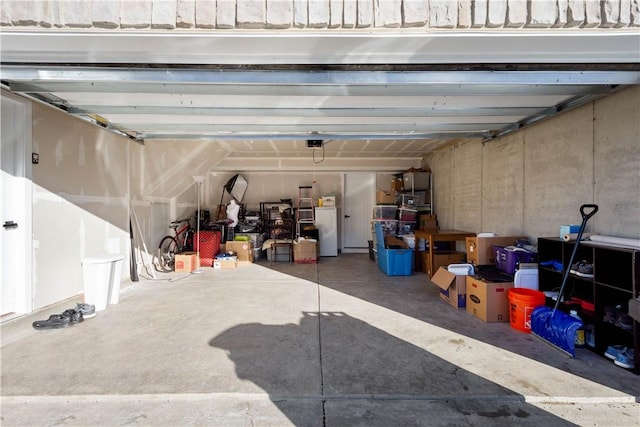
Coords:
pixel 534 180
pixel 507 179
pixel 616 155
pixel 442 168
pixel 80 201
pixel 467 182
pixel 166 167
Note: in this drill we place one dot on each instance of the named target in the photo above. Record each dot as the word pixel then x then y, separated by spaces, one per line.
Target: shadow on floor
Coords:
pixel 356 275
pixel 368 377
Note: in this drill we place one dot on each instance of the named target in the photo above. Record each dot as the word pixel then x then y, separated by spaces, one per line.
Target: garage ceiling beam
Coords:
pixel 309 90
pixel 306 112
pixel 168 76
pixel 315 135
pixel 249 128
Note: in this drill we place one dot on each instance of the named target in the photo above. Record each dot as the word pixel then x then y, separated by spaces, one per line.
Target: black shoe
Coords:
pixel 55 321
pixel 582 269
pixel 88 310
pixel 624 321
pixel 75 316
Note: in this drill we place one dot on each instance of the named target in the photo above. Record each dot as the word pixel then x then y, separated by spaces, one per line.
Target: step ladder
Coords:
pixel 306 208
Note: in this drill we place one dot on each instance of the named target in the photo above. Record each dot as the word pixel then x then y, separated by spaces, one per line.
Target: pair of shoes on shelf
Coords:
pixel 616 316
pixel 611 313
pixel 621 356
pixel 582 269
pixel 625 322
pixel 67 318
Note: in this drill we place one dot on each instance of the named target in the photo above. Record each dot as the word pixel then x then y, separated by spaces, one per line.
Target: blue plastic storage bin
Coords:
pixel 393 262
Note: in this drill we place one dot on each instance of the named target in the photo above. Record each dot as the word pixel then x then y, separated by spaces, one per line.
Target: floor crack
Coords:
pixel 324 400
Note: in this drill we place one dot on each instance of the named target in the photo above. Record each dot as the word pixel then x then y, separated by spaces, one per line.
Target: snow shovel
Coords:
pixel 551 325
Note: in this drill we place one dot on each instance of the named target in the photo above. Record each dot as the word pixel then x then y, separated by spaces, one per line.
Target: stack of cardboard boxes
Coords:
pixel 243 251
pixel 485 299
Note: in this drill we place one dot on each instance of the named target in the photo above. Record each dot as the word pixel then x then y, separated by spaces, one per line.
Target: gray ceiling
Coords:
pixel 372 109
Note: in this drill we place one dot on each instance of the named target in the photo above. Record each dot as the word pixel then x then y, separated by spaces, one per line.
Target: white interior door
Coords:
pixel 358 202
pixel 15 210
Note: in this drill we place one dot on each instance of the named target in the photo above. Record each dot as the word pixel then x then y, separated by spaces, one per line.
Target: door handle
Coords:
pixel 10 225
pixel 347 216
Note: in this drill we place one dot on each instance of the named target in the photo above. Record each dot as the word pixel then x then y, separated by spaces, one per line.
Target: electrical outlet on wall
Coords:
pixel 35 158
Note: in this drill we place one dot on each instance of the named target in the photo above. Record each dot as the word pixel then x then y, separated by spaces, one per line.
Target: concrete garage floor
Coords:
pixel 333 344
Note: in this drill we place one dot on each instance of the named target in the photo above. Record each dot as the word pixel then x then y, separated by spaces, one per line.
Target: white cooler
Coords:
pixel 526 278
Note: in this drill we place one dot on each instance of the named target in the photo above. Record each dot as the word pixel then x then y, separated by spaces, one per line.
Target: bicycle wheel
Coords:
pixel 167 253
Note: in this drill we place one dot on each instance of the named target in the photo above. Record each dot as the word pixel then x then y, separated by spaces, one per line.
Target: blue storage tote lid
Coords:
pixel 379 234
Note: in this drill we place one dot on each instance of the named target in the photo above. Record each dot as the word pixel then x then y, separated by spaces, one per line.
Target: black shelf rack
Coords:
pixel 616 280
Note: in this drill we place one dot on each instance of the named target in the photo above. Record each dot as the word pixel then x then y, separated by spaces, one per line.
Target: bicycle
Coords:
pixel 181 241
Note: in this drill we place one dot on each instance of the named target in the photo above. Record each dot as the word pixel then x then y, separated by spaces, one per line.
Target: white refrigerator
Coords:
pixel 327 224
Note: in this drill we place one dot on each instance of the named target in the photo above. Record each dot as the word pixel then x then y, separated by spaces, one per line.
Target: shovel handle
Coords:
pixel 587 215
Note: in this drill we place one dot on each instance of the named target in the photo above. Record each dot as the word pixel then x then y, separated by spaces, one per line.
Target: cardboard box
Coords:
pixel 397 184
pixel 452 287
pixel 256 238
pixel 305 252
pixel 488 301
pixel 186 262
pixel 442 259
pixel 385 197
pixel 480 249
pixel 226 262
pixel 244 250
pixel 392 242
pixel 428 222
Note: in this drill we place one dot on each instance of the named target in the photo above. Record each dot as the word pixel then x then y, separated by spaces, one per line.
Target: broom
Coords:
pixel 551 325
